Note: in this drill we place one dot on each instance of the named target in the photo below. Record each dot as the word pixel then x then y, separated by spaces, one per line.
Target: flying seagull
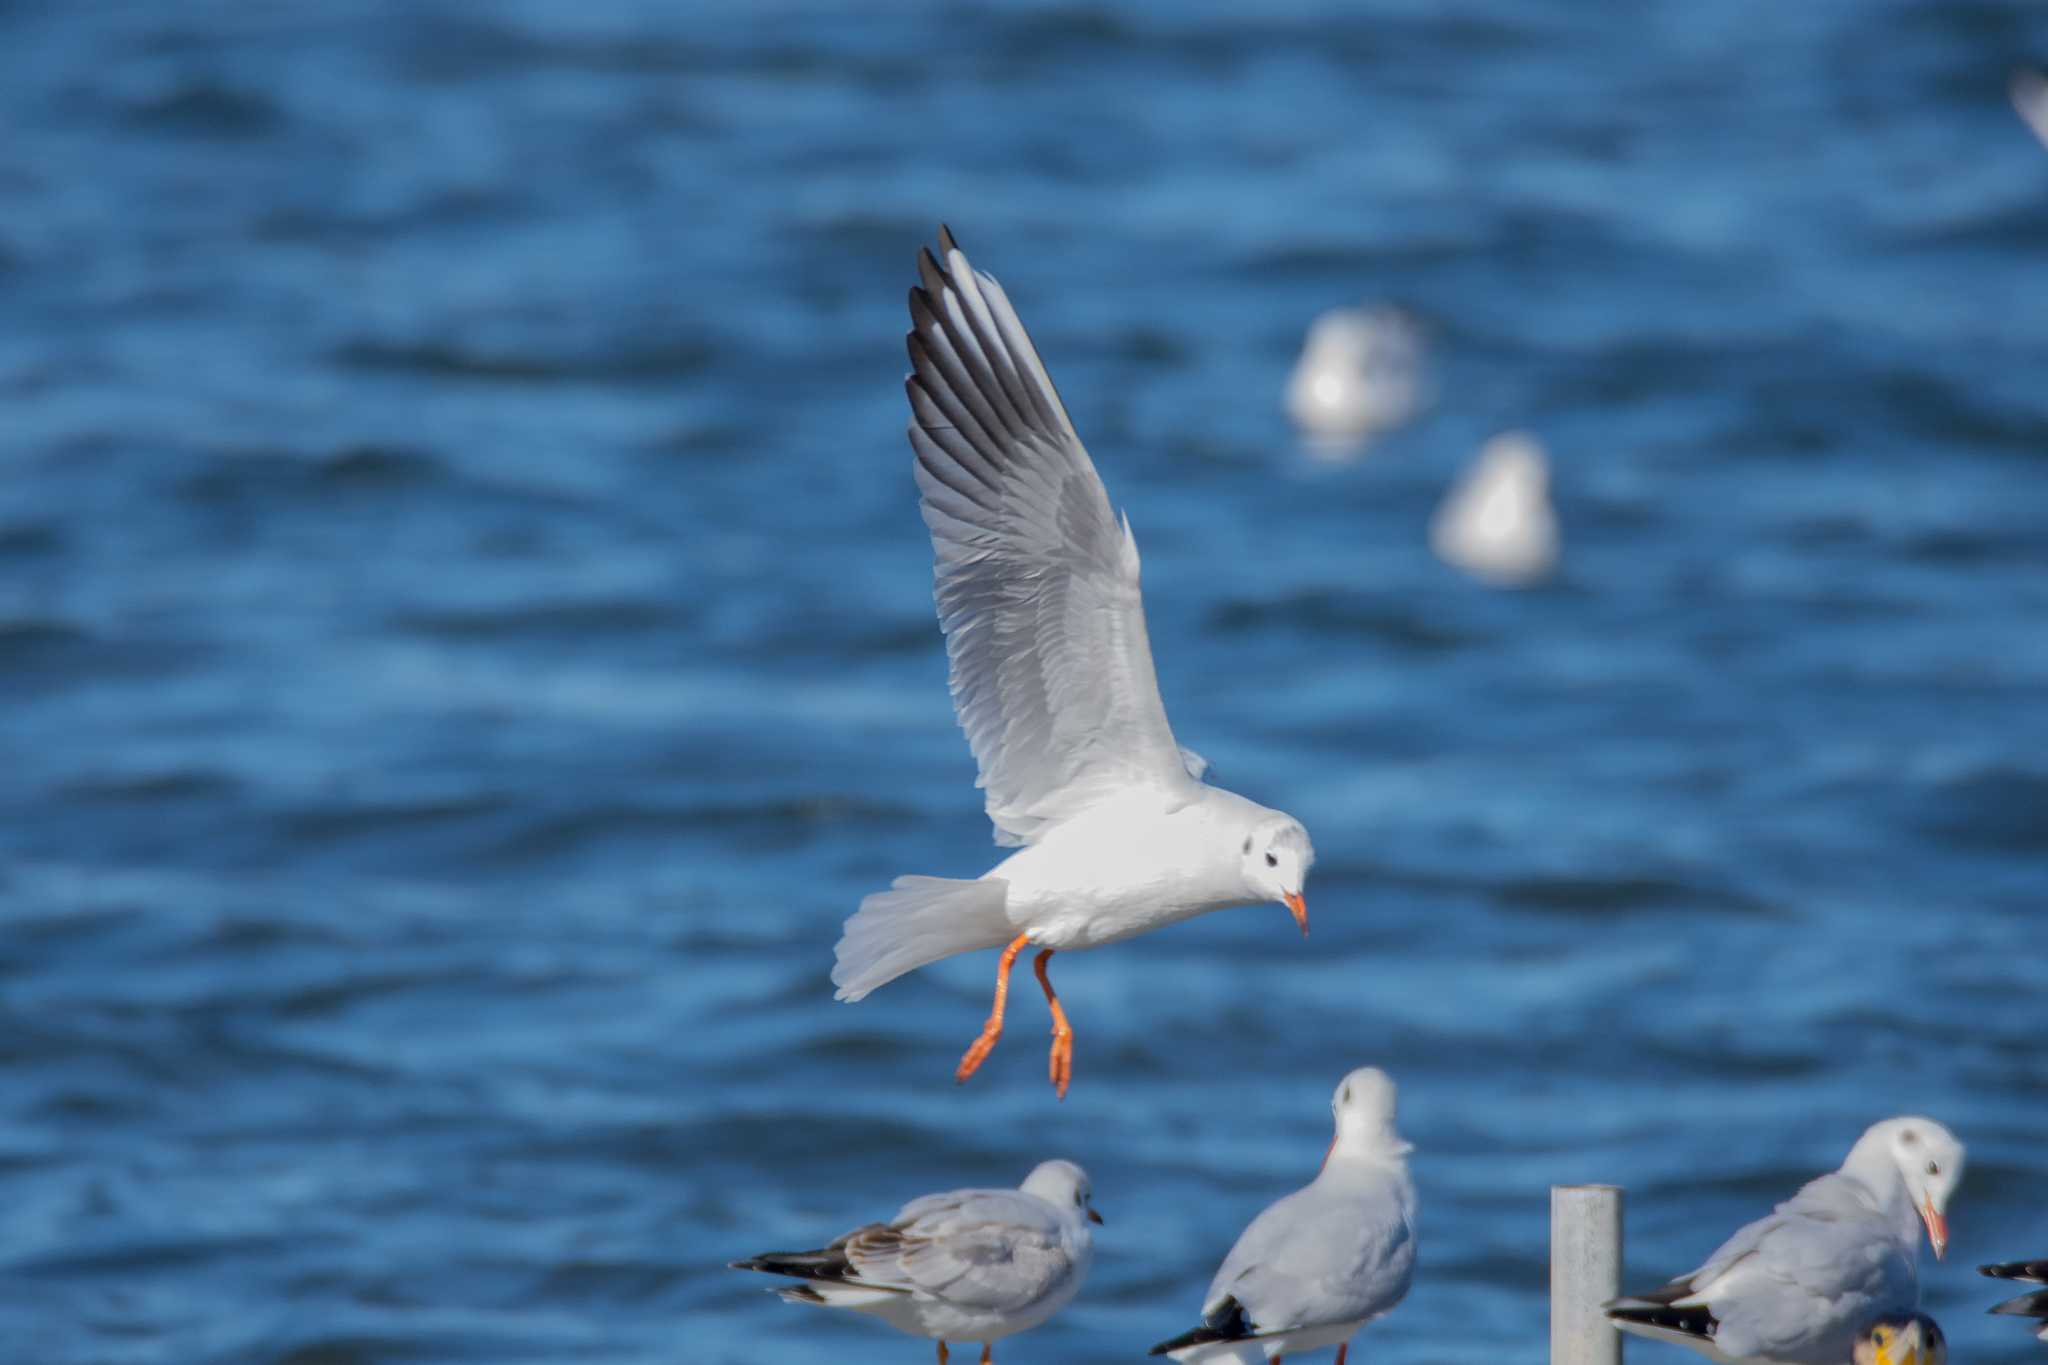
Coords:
pixel 1037 588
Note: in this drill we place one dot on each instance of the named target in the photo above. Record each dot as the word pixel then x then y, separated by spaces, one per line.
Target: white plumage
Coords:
pixel 967 1265
pixel 1037 588
pixel 1497 523
pixel 1319 1264
pixel 1797 1287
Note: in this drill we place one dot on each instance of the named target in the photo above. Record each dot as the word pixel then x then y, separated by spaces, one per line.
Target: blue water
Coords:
pixel 465 644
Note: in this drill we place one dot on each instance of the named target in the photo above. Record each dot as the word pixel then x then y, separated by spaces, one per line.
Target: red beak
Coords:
pixel 1937 1227
pixel 1299 908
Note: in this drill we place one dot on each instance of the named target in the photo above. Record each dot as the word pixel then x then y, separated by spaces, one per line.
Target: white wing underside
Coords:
pixel 1036 579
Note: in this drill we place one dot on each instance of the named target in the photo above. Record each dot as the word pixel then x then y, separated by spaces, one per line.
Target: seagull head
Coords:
pixel 1276 858
pixel 1063 1185
pixel 1363 1108
pixel 1902 1339
pixel 1929 1162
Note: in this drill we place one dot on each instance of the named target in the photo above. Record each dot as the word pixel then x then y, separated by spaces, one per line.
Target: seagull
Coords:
pixel 1037 588
pixel 969 1265
pixel 1901 1339
pixel 2030 99
pixel 1797 1287
pixel 1324 1261
pixel 1497 523
pixel 1359 374
pixel 2033 1305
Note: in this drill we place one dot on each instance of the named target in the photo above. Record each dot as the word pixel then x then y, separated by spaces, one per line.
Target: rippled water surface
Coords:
pixel 465 643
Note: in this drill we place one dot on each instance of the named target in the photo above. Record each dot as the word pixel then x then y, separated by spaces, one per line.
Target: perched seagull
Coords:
pixel 1360 373
pixel 1037 587
pixel 971 1265
pixel 2030 98
pixel 1329 1258
pixel 1796 1287
pixel 2034 1305
pixel 1497 523
pixel 1902 1339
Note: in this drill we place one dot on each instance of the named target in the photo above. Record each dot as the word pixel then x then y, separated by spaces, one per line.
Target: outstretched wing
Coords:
pixel 1037 580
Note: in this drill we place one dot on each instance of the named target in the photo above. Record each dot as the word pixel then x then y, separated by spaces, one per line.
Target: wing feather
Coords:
pixel 1036 578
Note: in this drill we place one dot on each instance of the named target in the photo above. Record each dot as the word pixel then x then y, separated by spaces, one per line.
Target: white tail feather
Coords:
pixel 918 920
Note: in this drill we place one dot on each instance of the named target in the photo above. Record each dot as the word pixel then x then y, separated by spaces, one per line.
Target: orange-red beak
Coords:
pixel 1937 1227
pixel 1299 909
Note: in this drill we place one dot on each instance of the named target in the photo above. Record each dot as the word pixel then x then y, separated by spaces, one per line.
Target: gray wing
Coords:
pixel 1037 580
pixel 993 1250
pixel 1802 1282
pixel 1310 1260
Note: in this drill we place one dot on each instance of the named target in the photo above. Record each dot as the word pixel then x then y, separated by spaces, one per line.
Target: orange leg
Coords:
pixel 1061 1064
pixel 993 1029
pixel 942 1353
pixel 1343 1349
pixel 988 1353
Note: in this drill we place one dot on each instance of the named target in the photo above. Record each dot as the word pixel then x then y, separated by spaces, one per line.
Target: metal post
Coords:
pixel 1585 1272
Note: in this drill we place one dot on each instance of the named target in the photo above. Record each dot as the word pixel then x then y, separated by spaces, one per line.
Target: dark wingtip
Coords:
pixel 2016 1270
pixel 1226 1323
pixel 1696 1321
pixel 946 239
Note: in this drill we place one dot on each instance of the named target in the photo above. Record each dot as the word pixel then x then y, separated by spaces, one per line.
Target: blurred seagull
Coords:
pixel 2033 1305
pixel 2030 97
pixel 1329 1258
pixel 1798 1286
pixel 1496 523
pixel 1037 587
pixel 1902 1339
pixel 971 1265
pixel 1360 373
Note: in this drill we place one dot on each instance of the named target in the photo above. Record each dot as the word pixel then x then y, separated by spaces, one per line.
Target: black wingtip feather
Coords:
pixel 2034 1271
pixel 2034 1305
pixel 1227 1323
pixel 1695 1321
pixel 801 1265
pixel 946 240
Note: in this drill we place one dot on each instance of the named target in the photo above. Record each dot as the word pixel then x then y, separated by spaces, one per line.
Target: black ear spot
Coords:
pixel 1272 861
pixel 1247 843
pixel 1909 1137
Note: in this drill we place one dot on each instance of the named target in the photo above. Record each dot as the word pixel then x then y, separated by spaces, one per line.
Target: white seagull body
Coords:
pixel 969 1265
pixel 1360 373
pixel 1497 523
pixel 1319 1264
pixel 1037 588
pixel 2030 100
pixel 1798 1287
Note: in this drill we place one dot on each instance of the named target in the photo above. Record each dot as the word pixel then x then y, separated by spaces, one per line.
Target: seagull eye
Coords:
pixel 1934 1168
pixel 1272 861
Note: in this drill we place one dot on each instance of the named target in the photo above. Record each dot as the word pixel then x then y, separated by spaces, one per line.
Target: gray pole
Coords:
pixel 1585 1272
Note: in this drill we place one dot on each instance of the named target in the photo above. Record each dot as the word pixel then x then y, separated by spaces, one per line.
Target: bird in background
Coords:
pixel 1359 374
pixel 1037 589
pixel 1319 1264
pixel 2029 91
pixel 968 1265
pixel 1901 1339
pixel 2032 1305
pixel 1497 523
pixel 1797 1287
